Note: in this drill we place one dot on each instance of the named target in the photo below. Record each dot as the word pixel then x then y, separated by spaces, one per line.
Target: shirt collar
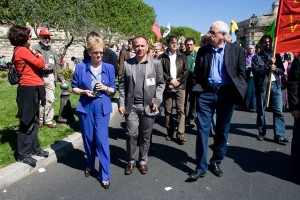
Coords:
pixel 218 49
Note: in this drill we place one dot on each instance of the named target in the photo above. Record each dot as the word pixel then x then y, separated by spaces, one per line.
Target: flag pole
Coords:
pixel 274 52
pixel 270 76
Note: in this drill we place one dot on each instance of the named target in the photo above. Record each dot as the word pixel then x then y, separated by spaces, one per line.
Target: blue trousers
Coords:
pixel 94 129
pixel 207 103
pixel 278 118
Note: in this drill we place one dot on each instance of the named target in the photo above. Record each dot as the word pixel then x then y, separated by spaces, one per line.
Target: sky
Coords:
pixel 200 14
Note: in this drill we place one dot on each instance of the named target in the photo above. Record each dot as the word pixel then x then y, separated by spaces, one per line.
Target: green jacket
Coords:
pixel 191 58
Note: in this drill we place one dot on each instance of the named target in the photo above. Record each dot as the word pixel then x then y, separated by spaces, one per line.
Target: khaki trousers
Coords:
pixel 47 112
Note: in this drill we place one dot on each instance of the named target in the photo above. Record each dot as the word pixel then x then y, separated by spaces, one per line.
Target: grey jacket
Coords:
pixel 152 93
pixel 46 52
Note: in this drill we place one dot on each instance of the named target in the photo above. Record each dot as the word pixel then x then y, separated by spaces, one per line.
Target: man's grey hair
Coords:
pixel 222 27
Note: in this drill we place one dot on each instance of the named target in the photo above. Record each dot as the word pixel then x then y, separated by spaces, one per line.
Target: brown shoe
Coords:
pixel 51 125
pixel 169 137
pixel 181 137
pixel 143 169
pixel 129 169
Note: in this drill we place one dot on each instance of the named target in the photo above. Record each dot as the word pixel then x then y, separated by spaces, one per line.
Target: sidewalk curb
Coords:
pixel 18 171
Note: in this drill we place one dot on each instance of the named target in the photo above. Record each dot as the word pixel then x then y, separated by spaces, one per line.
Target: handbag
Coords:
pixel 284 81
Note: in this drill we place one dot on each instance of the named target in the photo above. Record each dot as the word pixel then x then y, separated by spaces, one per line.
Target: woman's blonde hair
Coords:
pixel 93 42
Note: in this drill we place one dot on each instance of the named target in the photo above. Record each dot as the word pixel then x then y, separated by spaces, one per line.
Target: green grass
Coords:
pixel 9 123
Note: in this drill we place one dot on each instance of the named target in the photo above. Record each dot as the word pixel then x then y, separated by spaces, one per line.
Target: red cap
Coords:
pixel 45 32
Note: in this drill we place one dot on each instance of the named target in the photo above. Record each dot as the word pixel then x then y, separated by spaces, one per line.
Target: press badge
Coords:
pixel 51 60
pixel 150 81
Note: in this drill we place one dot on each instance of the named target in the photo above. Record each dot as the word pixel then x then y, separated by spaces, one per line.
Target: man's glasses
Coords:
pixel 213 33
pixel 46 38
pixel 97 52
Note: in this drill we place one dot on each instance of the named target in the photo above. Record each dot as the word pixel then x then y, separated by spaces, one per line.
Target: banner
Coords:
pixel 155 28
pixel 288 26
pixel 167 30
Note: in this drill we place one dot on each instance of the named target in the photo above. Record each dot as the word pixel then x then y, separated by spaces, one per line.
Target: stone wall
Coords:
pixel 57 42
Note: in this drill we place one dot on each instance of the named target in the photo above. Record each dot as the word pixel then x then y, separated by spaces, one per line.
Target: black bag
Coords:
pixel 284 81
pixel 12 74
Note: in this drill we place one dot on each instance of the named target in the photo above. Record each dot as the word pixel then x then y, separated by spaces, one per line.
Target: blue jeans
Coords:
pixel 207 103
pixel 250 99
pixel 276 102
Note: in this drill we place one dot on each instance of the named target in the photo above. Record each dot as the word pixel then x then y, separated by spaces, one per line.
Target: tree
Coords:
pixel 186 32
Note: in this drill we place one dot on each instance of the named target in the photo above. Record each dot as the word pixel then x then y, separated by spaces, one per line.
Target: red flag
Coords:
pixel 288 26
pixel 156 30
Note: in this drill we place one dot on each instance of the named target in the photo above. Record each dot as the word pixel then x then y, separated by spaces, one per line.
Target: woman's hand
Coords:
pixel 100 86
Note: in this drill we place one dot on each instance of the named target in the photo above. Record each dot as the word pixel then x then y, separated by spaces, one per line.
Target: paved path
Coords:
pixel 252 170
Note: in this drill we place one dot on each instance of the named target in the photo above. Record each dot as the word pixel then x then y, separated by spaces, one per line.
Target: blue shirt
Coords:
pixel 218 75
pixel 96 78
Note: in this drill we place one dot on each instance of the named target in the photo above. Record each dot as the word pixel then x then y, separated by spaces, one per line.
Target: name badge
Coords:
pixel 150 81
pixel 51 61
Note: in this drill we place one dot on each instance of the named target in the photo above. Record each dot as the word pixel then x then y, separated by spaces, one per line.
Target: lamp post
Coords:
pixel 253 22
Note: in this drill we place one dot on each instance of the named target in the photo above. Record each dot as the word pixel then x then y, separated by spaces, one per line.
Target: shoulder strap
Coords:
pixel 12 61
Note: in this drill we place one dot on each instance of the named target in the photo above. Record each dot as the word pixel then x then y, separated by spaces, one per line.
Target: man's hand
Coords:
pixel 272 61
pixel 296 114
pixel 122 110
pixel 154 107
pixel 273 68
pixel 175 82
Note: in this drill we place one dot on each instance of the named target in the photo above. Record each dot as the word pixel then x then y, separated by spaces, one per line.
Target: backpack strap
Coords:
pixel 12 61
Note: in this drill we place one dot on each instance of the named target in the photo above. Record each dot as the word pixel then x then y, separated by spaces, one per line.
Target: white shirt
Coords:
pixel 173 68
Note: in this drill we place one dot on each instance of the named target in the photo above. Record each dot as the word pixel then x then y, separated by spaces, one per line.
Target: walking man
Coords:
pixel 141 89
pixel 220 84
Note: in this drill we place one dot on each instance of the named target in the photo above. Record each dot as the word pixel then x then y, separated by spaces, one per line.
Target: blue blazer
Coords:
pixel 82 79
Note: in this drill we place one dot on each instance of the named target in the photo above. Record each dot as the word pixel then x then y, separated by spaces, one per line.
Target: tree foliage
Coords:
pixel 129 17
pixel 185 32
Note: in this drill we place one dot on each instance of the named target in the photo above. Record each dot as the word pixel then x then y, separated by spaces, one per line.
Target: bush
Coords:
pixel 68 74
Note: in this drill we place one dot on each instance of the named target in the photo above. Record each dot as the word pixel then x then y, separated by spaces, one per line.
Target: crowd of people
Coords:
pixel 210 83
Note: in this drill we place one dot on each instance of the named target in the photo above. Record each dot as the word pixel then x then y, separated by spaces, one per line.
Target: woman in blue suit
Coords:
pixel 94 81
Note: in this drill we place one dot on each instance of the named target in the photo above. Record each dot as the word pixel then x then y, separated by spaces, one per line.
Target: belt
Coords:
pixel 46 72
pixel 217 88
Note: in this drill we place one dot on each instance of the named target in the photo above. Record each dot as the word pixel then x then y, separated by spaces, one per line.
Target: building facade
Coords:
pixel 252 29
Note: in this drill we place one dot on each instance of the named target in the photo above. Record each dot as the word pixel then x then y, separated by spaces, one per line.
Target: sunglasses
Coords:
pixel 46 38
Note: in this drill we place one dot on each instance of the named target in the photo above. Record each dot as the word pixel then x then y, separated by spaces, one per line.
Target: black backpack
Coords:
pixel 12 75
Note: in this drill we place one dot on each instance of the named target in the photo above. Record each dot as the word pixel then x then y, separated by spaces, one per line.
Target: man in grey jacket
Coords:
pixel 141 89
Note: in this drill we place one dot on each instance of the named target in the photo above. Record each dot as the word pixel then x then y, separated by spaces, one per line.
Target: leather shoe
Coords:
pixel 169 137
pixel 281 140
pixel 260 137
pixel 216 170
pixel 105 184
pixel 196 174
pixel 143 169
pixel 41 153
pixel 28 160
pixel 129 169
pixel 181 137
pixel 51 125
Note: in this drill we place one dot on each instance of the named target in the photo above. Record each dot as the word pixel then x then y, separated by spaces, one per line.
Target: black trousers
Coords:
pixel 27 138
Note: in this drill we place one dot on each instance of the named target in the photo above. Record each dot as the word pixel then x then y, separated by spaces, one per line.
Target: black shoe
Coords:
pixel 105 185
pixel 281 140
pixel 260 137
pixel 41 153
pixel 196 174
pixel 28 160
pixel 216 170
